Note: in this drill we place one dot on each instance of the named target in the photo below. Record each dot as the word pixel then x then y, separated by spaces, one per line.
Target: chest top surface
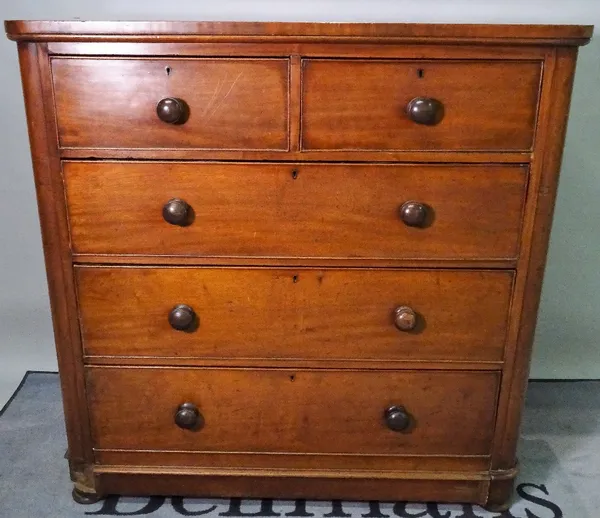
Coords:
pixel 382 32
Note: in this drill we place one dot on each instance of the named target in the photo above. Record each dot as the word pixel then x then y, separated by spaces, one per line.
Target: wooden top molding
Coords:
pixel 162 31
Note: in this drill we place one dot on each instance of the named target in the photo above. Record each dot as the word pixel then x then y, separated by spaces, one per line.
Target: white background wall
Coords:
pixel 567 340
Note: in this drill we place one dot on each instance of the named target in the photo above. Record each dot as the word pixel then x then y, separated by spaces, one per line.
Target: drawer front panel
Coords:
pixel 297 411
pixel 363 105
pixel 227 103
pixel 289 314
pixel 291 210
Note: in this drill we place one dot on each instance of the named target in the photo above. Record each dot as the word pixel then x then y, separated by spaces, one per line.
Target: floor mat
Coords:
pixel 559 453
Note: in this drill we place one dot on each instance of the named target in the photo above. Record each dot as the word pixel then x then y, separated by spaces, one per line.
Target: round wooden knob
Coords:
pixel 405 318
pixel 171 110
pixel 425 110
pixel 176 212
pixel 397 418
pixel 188 417
pixel 182 318
pixel 413 213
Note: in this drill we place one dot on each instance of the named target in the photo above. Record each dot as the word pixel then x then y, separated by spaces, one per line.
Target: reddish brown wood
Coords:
pixel 256 485
pixel 294 314
pixel 233 103
pixel 381 364
pixel 500 495
pixel 318 314
pixel 450 157
pixel 394 465
pixel 266 31
pixel 538 220
pixel 300 48
pixel 295 106
pixel 301 405
pixel 296 210
pixel 487 105
pixel 369 262
pixel 55 236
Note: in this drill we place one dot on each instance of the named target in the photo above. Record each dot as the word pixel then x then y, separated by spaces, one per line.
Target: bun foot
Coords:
pixel 500 495
pixel 497 507
pixel 85 498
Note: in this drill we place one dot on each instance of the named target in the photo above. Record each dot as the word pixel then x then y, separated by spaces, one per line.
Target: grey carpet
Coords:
pixel 559 452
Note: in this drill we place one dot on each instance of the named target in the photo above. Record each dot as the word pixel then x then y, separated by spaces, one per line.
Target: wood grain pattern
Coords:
pixel 380 364
pixel 294 314
pixel 538 221
pixel 296 257
pixel 233 103
pixel 321 262
pixel 265 484
pixel 417 465
pixel 299 48
pixel 488 105
pixel 250 210
pixel 266 31
pixel 450 157
pixel 35 77
pixel 297 407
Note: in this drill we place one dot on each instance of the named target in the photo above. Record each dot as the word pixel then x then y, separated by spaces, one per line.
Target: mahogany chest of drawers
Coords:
pixel 295 260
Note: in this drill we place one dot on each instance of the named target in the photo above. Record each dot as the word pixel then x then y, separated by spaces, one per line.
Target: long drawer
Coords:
pixel 285 410
pixel 204 103
pixel 296 210
pixel 286 314
pixel 419 105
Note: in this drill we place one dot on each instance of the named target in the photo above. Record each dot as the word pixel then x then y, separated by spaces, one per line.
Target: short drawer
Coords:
pixel 205 103
pixel 419 105
pixel 349 211
pixel 299 411
pixel 285 314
